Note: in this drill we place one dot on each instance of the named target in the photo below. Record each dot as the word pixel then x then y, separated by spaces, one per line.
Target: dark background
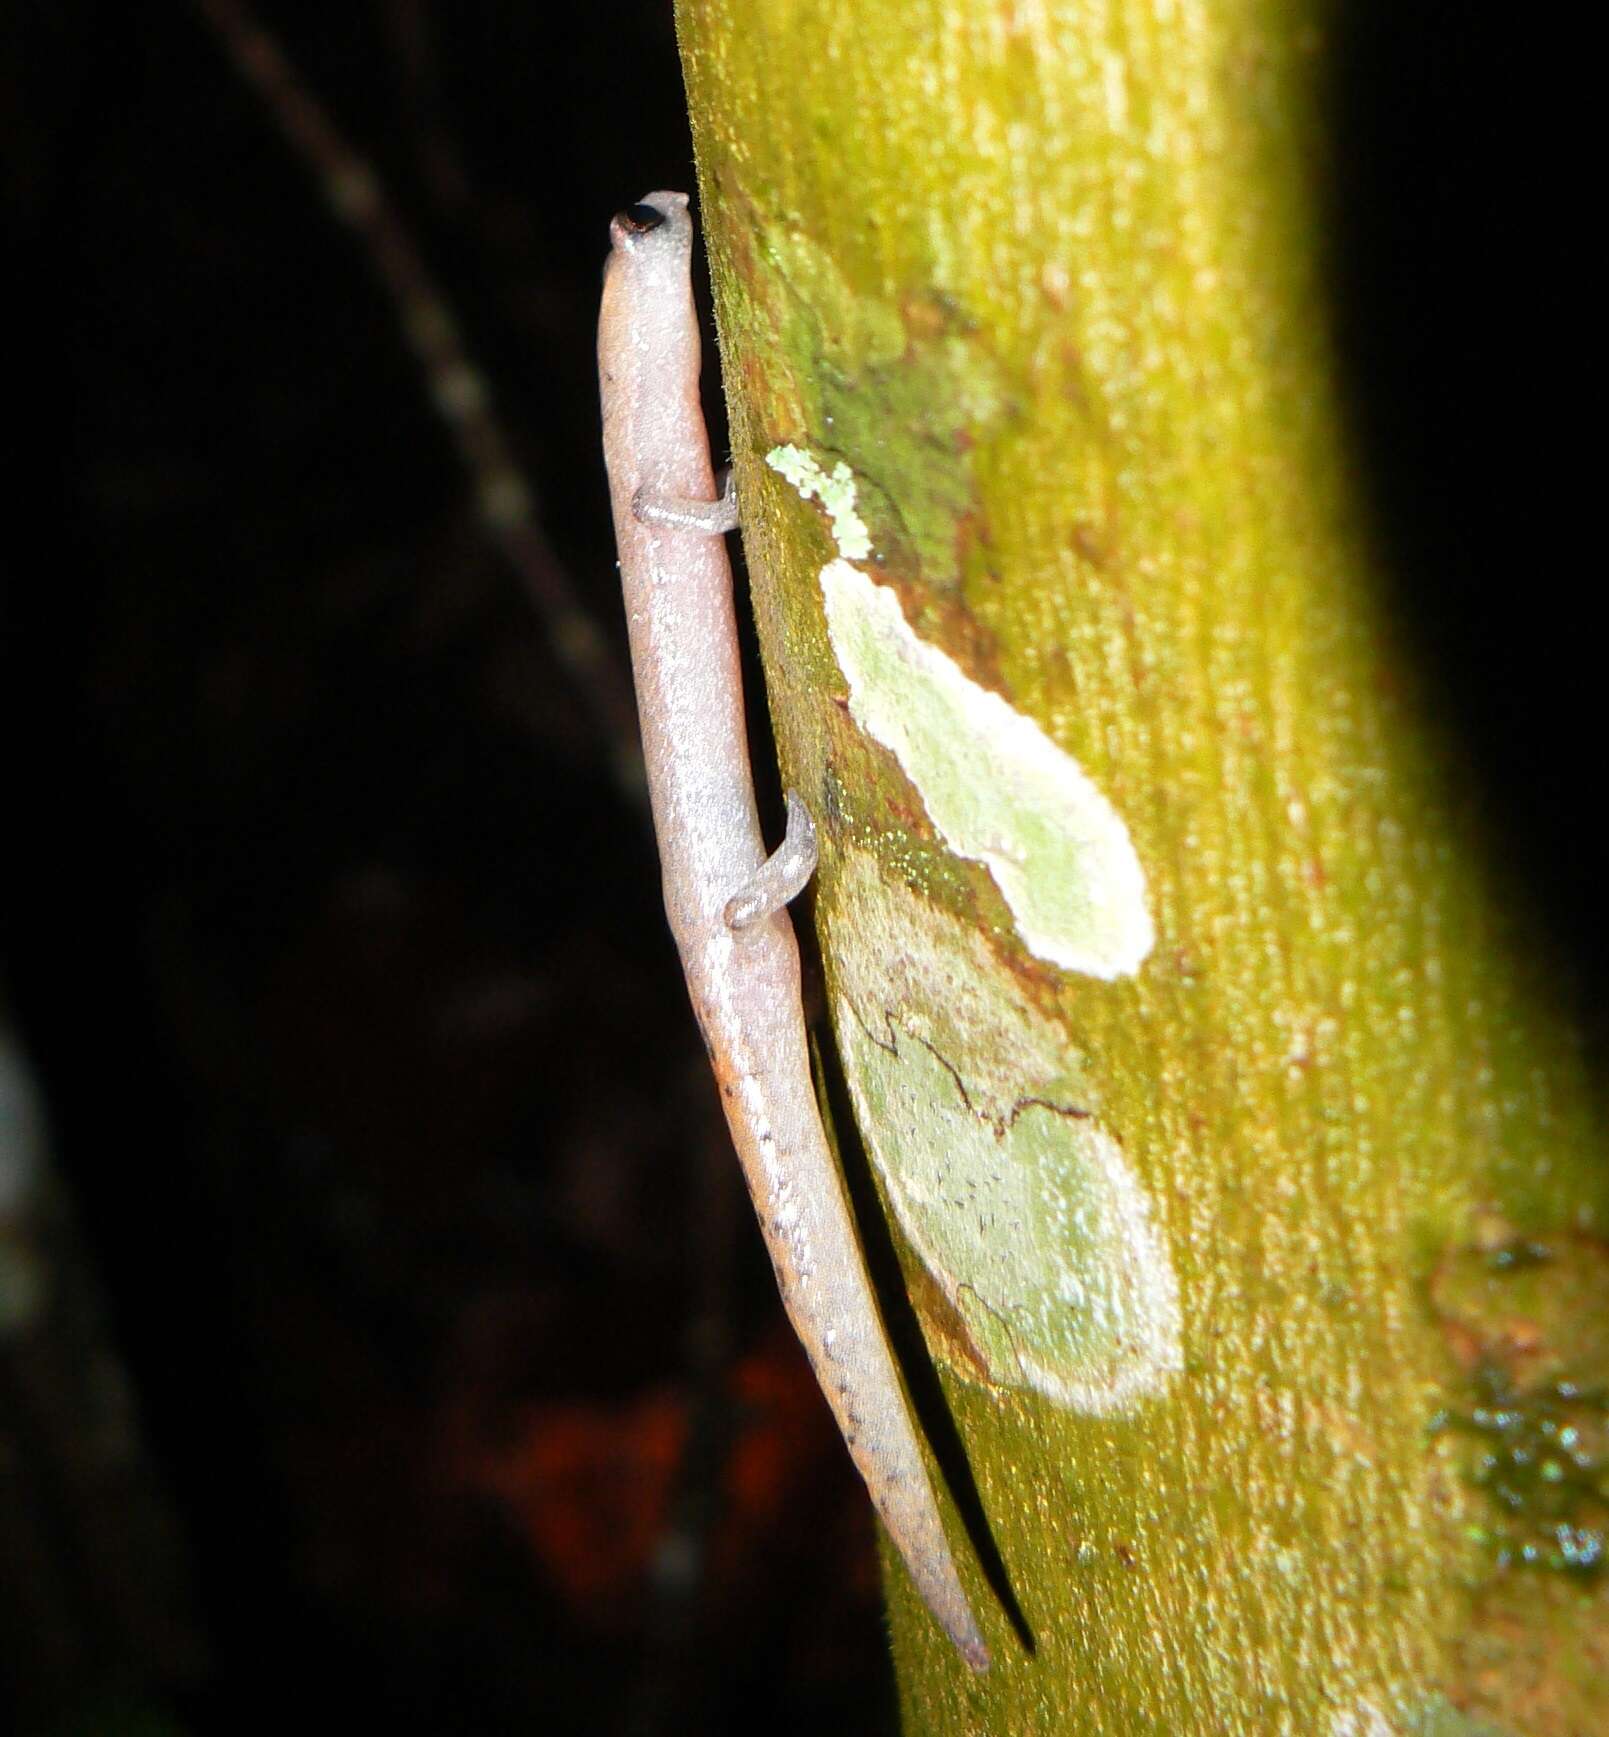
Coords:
pixel 411 1356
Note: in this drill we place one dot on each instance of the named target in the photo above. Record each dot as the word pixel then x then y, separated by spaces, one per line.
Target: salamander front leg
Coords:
pixel 782 876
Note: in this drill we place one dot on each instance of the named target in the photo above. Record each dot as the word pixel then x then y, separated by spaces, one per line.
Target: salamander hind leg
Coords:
pixel 713 517
pixel 782 876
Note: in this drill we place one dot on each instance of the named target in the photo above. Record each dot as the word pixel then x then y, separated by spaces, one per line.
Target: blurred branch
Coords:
pixel 459 390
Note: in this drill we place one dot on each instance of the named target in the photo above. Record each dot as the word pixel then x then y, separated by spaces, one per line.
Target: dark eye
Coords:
pixel 639 219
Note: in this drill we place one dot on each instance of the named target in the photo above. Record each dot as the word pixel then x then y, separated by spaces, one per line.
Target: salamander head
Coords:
pixel 658 222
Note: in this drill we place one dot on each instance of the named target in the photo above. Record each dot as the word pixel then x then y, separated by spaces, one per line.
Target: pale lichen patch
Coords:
pixel 911 962
pixel 1020 1204
pixel 996 787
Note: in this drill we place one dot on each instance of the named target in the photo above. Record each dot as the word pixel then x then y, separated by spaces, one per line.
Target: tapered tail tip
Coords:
pixel 972 1649
pixel 942 1593
pixel 956 1618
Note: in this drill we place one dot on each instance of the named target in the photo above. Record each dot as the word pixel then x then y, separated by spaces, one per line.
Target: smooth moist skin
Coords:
pixel 744 979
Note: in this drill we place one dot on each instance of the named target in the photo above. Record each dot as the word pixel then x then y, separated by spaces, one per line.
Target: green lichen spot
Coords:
pixel 855 331
pixel 906 391
pixel 1529 1322
pixel 1020 1204
pixel 995 786
pixel 1542 1461
pixel 1434 1717
pixel 1440 1718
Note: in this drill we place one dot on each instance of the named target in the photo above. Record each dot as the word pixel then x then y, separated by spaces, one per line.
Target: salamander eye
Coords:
pixel 629 226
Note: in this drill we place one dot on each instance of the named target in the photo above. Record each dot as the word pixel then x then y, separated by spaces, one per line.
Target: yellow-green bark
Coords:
pixel 1049 280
